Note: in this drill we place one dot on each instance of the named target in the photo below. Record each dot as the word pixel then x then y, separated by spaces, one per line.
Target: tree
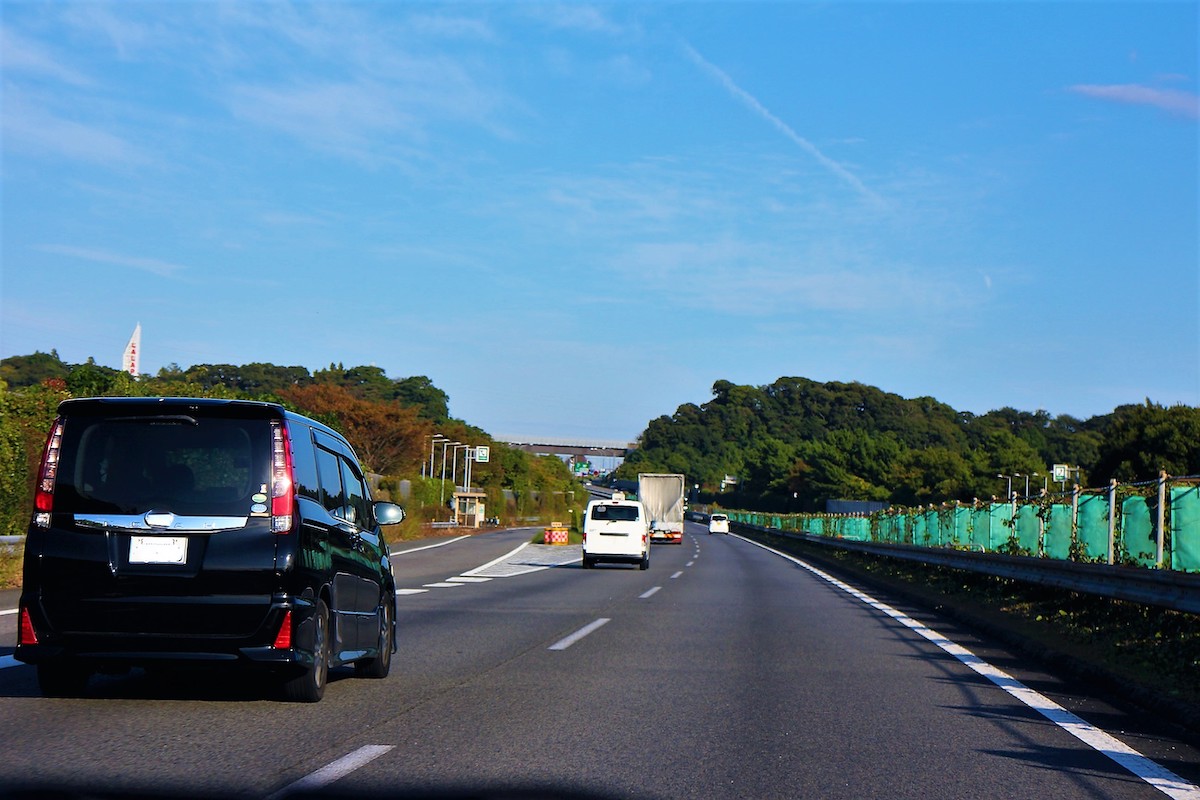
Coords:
pixel 1143 439
pixel 389 438
pixel 419 391
pixel 19 371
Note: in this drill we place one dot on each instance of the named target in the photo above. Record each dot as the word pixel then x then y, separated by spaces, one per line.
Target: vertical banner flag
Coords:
pixel 129 363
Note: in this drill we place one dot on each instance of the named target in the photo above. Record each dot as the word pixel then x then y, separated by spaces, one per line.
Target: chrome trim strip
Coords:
pixel 137 522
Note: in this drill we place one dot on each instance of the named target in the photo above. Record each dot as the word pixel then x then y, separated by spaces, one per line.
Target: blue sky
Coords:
pixel 574 218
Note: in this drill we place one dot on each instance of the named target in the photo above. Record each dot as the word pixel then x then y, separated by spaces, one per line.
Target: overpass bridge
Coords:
pixel 576 448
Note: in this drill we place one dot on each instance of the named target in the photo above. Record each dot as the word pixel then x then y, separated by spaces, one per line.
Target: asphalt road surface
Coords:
pixel 724 671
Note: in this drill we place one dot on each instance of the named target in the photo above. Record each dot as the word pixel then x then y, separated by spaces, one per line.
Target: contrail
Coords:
pixel 781 126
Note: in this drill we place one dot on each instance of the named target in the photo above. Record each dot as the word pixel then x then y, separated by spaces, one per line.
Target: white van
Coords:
pixel 616 530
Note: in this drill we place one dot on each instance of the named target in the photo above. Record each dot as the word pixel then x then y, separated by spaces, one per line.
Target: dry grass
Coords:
pixel 10 567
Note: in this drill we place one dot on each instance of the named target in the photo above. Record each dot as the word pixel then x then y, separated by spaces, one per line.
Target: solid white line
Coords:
pixel 1142 767
pixel 563 644
pixel 428 546
pixel 648 593
pixel 493 563
pixel 9 661
pixel 676 575
pixel 331 772
pixel 8 611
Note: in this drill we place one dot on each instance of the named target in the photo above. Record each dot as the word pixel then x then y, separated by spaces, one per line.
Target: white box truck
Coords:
pixel 662 496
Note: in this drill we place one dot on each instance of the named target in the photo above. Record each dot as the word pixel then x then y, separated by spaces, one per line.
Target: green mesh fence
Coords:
pixel 981 528
pixel 1002 530
pixel 1137 530
pixel 1185 528
pixel 1092 526
pixel 1060 531
pixel 1029 530
pixel 962 526
pixel 919 534
pixel 1057 540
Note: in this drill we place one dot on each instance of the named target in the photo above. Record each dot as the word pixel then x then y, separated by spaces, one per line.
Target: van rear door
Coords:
pixel 160 520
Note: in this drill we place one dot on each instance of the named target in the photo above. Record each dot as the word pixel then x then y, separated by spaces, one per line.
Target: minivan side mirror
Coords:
pixel 388 513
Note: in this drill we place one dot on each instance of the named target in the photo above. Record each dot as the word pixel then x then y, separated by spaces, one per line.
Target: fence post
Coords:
pixel 1112 518
pixel 1075 544
pixel 1162 518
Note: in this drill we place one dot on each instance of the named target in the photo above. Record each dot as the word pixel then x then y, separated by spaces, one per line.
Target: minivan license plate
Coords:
pixel 158 550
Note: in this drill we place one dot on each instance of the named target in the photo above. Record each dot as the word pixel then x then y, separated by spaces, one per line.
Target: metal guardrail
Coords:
pixel 1160 588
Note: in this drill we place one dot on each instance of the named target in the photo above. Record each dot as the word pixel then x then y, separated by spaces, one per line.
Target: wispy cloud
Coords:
pixel 754 105
pixel 18 54
pixel 32 128
pixel 154 266
pixel 1173 101
pixel 573 17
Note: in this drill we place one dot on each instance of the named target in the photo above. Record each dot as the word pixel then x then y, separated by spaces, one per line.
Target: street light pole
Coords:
pixel 454 461
pixel 432 444
pixel 445 444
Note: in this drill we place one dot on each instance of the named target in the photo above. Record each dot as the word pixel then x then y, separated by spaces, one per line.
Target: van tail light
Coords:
pixel 283 639
pixel 43 496
pixel 26 634
pixel 283 487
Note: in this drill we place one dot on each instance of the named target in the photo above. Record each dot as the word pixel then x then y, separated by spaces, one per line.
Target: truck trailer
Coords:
pixel 662 497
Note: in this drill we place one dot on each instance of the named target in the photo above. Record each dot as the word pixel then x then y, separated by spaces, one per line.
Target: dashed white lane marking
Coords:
pixel 690 563
pixel 464 579
pixel 7 612
pixel 442 585
pixel 563 644
pixel 649 593
pixel 676 575
pixel 331 772
pixel 1149 771
pixel 400 592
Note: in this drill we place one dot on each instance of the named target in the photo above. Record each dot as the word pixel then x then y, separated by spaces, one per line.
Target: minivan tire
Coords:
pixel 645 562
pixel 62 678
pixel 309 686
pixel 381 664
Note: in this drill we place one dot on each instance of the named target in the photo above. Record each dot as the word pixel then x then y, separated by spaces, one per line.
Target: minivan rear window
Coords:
pixel 183 464
pixel 615 513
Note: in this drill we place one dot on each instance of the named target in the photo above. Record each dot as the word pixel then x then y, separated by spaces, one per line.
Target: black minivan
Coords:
pixel 203 531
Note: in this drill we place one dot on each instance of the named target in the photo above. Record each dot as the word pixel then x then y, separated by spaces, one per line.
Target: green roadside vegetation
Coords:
pixel 795 444
pixel 394 424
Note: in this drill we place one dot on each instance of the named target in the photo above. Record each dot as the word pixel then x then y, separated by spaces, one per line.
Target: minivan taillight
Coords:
pixel 283 488
pixel 25 633
pixel 43 497
pixel 283 639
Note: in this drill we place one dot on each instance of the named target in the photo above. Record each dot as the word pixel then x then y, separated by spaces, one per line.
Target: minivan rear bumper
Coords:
pixel 122 649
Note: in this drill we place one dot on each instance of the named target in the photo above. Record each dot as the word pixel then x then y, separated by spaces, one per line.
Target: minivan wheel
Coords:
pixel 309 686
pixel 645 562
pixel 381 664
pixel 62 678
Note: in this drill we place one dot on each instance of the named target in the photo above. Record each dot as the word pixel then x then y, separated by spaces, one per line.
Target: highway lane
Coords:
pixel 722 671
